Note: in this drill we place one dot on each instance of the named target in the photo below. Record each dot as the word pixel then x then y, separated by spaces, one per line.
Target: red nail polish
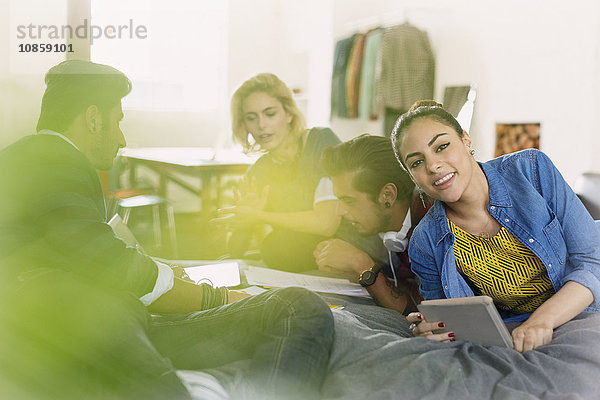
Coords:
pixel 452 340
pixel 441 325
pixel 451 334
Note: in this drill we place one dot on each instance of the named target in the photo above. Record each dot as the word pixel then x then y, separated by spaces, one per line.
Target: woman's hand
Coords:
pixel 563 306
pixel 528 336
pixel 249 204
pixel 237 218
pixel 247 194
pixel 421 328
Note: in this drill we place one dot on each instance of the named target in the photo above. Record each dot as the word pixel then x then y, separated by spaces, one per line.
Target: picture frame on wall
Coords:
pixel 511 137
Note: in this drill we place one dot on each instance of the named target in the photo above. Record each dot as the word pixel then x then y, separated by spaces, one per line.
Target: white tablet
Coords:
pixel 474 319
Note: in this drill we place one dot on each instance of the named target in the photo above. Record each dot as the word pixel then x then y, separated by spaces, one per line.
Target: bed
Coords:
pixel 375 357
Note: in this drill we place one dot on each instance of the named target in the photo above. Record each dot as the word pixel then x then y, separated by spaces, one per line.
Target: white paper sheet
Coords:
pixel 216 275
pixel 273 278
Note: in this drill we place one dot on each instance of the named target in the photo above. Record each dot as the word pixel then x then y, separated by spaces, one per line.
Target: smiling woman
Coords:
pixel 516 230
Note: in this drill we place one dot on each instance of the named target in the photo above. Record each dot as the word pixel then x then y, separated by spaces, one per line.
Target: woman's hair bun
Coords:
pixel 425 103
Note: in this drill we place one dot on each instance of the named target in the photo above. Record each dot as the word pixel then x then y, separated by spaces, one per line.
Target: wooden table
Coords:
pixel 199 162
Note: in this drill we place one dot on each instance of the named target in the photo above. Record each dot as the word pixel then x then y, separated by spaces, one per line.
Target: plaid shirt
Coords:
pixel 407 67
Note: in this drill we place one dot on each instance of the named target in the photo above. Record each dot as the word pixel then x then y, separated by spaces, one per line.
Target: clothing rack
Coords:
pixel 387 19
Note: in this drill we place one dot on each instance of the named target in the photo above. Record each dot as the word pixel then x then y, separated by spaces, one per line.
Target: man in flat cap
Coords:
pixel 74 299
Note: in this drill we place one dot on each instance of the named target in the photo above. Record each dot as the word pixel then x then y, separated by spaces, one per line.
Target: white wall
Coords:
pixel 292 39
pixel 20 93
pixel 533 61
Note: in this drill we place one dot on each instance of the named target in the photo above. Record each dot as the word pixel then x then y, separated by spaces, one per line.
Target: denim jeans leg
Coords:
pixel 62 337
pixel 286 333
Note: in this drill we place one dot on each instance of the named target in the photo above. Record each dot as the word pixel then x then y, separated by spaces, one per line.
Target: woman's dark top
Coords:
pixel 292 189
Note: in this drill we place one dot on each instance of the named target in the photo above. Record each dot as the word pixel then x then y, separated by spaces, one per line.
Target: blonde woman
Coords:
pixel 286 188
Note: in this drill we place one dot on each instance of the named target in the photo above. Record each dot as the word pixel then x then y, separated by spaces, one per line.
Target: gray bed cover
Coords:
pixel 371 364
pixel 373 358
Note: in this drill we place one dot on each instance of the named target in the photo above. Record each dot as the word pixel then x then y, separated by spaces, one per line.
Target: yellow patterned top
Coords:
pixel 502 268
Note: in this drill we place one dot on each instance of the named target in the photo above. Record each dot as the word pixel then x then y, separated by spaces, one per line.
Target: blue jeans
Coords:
pixel 285 333
pixel 64 338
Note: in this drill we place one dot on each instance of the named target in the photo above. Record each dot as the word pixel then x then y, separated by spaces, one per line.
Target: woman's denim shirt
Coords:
pixel 530 198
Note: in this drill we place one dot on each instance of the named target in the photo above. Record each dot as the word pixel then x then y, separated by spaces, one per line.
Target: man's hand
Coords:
pixel 338 256
pixel 341 257
pixel 180 273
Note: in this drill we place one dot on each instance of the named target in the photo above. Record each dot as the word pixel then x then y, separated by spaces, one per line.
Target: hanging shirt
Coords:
pixel 407 67
pixel 368 75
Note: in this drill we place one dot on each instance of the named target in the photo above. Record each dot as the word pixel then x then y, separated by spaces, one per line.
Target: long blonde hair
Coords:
pixel 274 87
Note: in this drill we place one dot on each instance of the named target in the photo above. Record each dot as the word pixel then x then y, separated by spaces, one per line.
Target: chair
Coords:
pixel 122 201
pixel 113 189
pixel 126 205
pixel 587 188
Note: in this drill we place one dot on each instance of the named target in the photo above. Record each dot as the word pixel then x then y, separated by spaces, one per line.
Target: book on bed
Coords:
pixel 474 319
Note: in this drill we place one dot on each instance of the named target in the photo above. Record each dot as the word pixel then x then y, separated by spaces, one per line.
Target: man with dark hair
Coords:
pixel 375 196
pixel 89 84
pixel 74 299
